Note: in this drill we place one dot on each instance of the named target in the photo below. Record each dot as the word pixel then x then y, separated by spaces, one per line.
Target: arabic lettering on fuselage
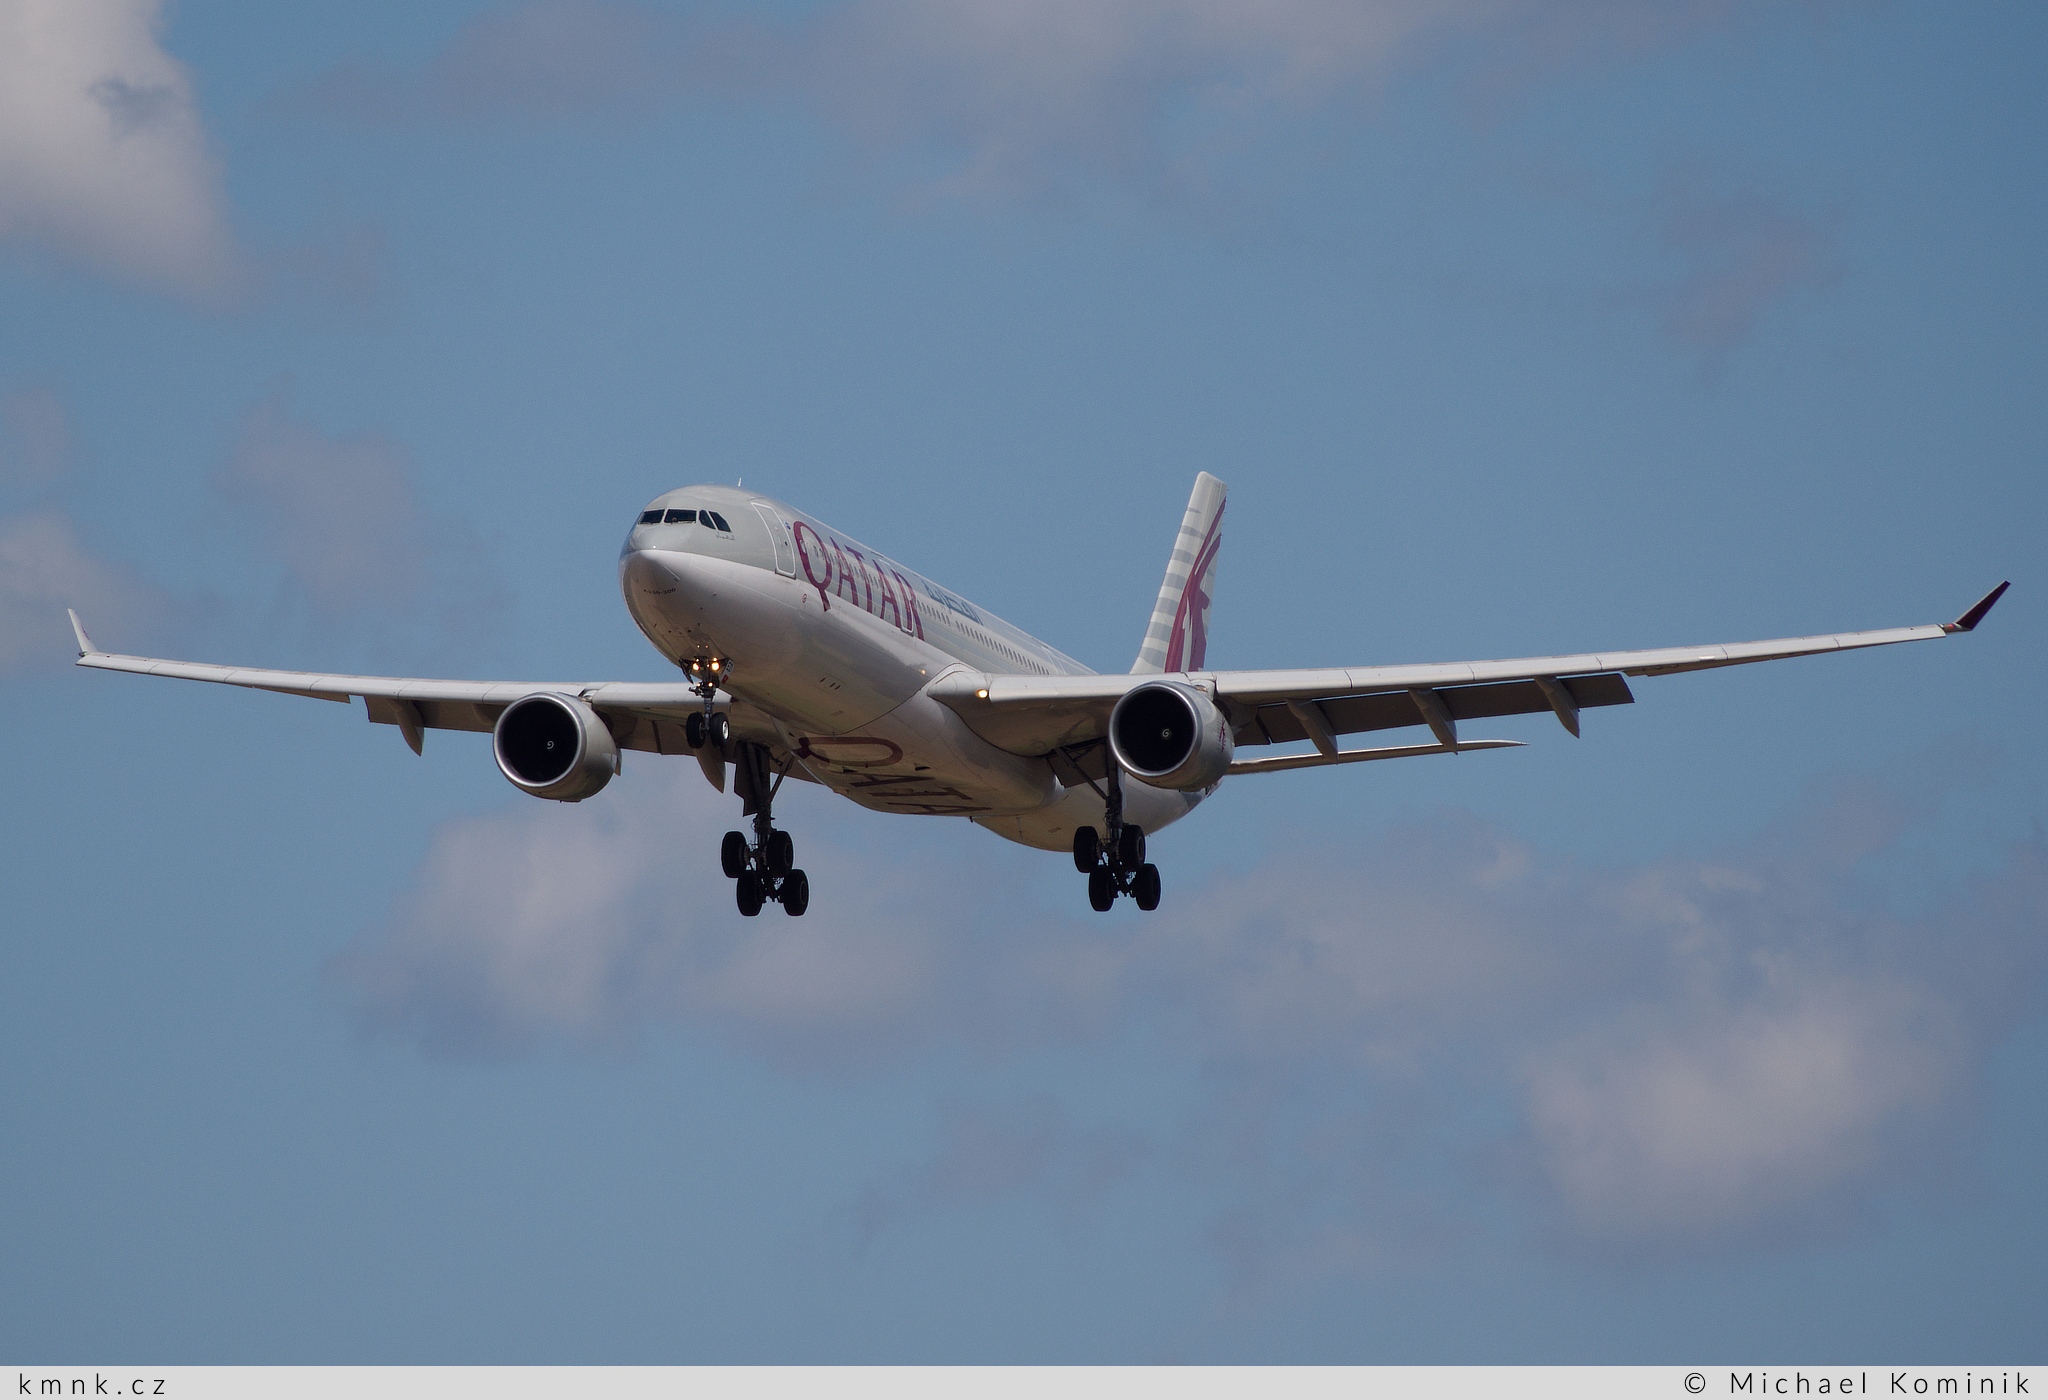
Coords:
pixel 946 600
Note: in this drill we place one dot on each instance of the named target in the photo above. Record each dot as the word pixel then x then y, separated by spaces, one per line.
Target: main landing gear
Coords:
pixel 763 871
pixel 1117 865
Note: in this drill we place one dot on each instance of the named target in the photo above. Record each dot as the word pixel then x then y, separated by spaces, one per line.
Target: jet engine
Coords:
pixel 554 746
pixel 1170 735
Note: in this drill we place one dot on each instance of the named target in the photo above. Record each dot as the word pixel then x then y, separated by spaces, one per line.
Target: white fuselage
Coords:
pixel 827 650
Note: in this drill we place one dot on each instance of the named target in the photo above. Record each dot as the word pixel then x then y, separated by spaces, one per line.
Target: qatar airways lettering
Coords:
pixel 824 562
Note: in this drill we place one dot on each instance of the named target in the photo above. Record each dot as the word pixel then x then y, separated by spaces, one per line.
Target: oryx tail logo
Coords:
pixel 1187 645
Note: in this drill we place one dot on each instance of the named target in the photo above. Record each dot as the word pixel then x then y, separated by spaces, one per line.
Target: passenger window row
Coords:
pixel 709 519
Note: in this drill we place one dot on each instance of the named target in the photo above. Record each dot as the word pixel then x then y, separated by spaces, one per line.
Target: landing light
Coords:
pixel 981 695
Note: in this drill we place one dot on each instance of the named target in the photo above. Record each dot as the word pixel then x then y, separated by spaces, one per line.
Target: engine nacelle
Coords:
pixel 1170 735
pixel 554 746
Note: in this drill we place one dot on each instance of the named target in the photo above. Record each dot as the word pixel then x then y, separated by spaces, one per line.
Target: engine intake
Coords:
pixel 554 746
pixel 1171 736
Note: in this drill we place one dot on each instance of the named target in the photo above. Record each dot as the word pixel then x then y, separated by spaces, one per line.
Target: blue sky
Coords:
pixel 353 338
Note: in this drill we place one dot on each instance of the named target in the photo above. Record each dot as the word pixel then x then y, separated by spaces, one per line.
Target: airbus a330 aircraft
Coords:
pixel 810 655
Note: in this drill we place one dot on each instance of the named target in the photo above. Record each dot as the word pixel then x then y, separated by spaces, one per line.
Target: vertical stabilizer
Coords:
pixel 1178 639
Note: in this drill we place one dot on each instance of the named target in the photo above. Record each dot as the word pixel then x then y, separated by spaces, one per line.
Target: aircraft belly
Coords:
pixel 1051 828
pixel 921 759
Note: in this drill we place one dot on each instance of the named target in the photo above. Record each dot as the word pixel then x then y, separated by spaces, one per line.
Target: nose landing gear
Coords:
pixel 762 870
pixel 1117 865
pixel 707 727
pixel 714 729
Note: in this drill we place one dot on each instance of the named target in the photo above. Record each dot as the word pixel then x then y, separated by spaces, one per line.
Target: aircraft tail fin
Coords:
pixel 1178 638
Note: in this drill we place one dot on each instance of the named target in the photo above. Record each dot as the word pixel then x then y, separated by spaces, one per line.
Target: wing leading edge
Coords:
pixel 642 715
pixel 1044 714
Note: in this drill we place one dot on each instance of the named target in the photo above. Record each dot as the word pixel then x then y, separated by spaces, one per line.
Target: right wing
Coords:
pixel 1051 714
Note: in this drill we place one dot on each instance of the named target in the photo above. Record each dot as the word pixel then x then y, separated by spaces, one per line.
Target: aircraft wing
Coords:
pixel 1051 714
pixel 641 715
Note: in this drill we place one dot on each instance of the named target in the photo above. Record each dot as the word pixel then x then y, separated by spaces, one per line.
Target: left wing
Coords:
pixel 1045 714
pixel 641 715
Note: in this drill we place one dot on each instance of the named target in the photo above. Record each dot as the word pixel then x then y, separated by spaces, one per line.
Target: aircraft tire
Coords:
pixel 1131 847
pixel 1145 889
pixel 781 853
pixel 719 731
pixel 1087 849
pixel 732 854
pixel 749 893
pixel 693 731
pixel 1101 890
pixel 796 893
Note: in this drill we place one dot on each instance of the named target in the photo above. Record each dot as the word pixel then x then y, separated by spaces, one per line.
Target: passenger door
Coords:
pixel 778 532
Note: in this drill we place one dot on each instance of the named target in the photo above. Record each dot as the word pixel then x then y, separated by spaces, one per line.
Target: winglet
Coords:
pixel 85 646
pixel 1969 620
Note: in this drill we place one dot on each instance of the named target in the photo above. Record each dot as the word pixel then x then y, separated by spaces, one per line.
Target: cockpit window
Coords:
pixel 709 519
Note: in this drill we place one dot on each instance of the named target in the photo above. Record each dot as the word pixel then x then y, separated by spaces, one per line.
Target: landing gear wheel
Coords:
pixel 732 855
pixel 1087 849
pixel 1130 848
pixel 781 853
pixel 693 735
pixel 719 730
pixel 1145 888
pixel 749 893
pixel 1101 890
pixel 795 893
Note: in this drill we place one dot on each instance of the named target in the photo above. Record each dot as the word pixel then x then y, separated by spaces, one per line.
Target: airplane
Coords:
pixel 810 655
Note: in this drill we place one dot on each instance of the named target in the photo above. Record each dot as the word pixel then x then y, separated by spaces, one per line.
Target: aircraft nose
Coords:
pixel 642 568
pixel 669 576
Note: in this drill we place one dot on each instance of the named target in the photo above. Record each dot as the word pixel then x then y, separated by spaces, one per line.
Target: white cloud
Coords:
pixel 538 59
pixel 342 518
pixel 1007 98
pixel 1745 1115
pixel 1198 105
pixel 103 161
pixel 1696 1051
pixel 45 568
pixel 339 513
pixel 35 436
pixel 1025 94
pixel 1739 252
pixel 585 922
